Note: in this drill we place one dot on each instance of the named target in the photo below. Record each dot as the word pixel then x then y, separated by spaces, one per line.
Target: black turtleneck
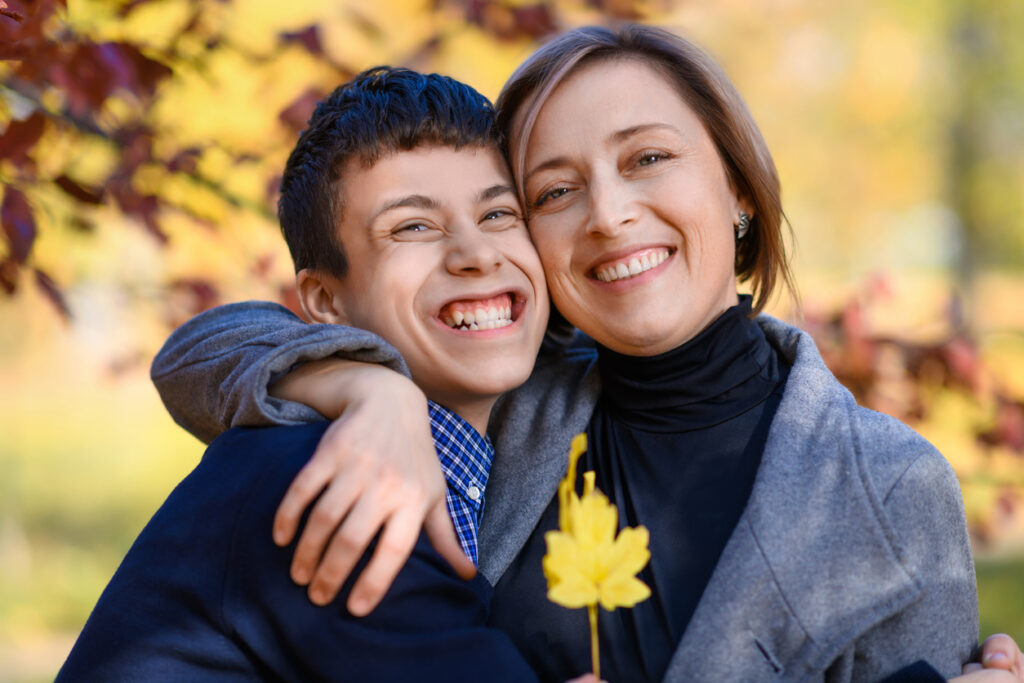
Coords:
pixel 675 440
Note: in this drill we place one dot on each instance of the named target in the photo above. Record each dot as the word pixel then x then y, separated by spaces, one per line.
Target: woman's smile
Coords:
pixel 631 266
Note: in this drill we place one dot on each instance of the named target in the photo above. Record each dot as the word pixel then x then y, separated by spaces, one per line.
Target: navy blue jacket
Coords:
pixel 204 594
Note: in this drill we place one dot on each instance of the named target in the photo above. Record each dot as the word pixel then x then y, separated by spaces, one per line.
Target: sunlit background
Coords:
pixel 142 141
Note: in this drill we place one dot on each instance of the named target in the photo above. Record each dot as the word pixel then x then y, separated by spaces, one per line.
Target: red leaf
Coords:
pixel 22 24
pixel 53 293
pixel 309 37
pixel 20 137
pixel 184 161
pixel 509 23
pixel 202 294
pixel 7 11
pixel 83 194
pixel 261 268
pixel 298 113
pixel 288 297
pixel 142 207
pixel 135 71
pixel 535 21
pixel 82 224
pixel 19 224
pixel 9 276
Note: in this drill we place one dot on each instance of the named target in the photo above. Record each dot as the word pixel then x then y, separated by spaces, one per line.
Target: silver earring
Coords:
pixel 743 226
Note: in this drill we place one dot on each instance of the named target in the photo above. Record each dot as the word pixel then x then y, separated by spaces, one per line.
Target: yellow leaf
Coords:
pixel 586 563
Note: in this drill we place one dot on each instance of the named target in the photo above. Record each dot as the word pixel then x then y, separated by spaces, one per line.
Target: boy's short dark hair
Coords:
pixel 380 111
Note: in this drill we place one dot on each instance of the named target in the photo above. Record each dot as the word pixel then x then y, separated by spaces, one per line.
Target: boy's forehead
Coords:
pixel 427 171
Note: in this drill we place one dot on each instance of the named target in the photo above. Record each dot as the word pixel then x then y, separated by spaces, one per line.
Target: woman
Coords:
pixel 793 534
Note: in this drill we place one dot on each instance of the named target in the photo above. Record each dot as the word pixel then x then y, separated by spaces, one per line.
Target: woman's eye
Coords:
pixel 551 194
pixel 648 158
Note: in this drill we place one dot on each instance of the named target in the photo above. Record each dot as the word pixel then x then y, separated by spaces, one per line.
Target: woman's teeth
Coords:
pixel 631 267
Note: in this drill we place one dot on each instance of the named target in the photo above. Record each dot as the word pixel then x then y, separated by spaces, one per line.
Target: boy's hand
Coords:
pixel 377 470
pixel 999 653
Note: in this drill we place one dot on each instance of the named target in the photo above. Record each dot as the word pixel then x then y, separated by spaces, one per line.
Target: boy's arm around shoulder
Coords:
pixel 213 372
pixel 924 508
pixel 430 625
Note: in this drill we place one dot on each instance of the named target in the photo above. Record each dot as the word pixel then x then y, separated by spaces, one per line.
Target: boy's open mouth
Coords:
pixel 632 265
pixel 482 314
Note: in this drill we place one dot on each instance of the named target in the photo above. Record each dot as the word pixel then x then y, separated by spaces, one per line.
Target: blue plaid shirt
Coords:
pixel 466 461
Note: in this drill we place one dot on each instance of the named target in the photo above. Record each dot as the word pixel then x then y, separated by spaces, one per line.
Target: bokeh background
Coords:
pixel 140 146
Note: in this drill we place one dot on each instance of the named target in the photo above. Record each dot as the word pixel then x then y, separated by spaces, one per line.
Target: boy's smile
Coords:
pixel 441 266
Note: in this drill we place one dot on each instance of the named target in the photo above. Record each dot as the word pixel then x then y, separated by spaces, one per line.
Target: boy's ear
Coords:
pixel 320 297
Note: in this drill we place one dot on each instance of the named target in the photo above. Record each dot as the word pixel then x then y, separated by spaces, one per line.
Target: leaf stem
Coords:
pixel 595 654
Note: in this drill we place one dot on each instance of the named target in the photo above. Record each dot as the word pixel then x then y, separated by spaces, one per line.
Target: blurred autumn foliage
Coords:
pixel 65 86
pixel 141 143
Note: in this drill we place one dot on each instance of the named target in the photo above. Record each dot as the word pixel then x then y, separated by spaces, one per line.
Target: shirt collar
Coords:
pixel 465 454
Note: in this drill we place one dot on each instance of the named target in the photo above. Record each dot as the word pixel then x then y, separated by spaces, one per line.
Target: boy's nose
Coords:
pixel 471 252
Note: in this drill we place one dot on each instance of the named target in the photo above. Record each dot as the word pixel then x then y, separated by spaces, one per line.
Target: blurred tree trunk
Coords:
pixel 986 143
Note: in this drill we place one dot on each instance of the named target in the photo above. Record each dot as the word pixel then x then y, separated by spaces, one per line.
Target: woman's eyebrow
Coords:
pixel 557 162
pixel 626 133
pixel 616 137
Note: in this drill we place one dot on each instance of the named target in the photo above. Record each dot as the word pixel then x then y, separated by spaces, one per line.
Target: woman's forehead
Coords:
pixel 611 99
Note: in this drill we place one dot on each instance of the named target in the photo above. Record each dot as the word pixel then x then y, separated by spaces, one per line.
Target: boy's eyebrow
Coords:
pixel 494 191
pixel 415 201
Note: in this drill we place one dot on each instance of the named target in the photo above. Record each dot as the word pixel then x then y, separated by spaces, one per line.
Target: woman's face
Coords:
pixel 630 209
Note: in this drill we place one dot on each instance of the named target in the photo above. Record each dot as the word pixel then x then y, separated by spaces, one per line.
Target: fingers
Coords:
pixel 1000 651
pixel 346 546
pixel 394 546
pixel 311 480
pixel 322 524
pixel 997 652
pixel 441 533
pixel 306 486
pixel 985 676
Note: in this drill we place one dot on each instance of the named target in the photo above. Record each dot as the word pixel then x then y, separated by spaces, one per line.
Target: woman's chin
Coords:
pixel 640 340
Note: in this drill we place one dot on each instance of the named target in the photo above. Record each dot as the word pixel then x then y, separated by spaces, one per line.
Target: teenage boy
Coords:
pixel 401 219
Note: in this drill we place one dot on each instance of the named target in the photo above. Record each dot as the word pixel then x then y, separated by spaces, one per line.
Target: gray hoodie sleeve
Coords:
pixel 213 372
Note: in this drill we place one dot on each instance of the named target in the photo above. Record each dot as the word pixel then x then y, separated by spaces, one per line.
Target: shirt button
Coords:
pixel 473 493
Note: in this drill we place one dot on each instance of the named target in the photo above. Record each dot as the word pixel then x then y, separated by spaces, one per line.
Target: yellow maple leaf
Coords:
pixel 586 564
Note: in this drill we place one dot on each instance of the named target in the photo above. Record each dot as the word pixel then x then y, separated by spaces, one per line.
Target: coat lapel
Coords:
pixel 532 453
pixel 810 564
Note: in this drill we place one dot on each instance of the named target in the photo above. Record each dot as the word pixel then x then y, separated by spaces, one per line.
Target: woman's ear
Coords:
pixel 742 204
pixel 320 297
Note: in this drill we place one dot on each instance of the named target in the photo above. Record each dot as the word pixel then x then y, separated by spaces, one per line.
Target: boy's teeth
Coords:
pixel 488 314
pixel 632 267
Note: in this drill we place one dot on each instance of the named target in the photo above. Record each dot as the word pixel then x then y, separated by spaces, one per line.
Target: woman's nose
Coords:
pixel 470 252
pixel 612 206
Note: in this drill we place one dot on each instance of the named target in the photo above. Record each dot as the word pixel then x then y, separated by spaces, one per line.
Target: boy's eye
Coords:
pixel 412 228
pixel 496 214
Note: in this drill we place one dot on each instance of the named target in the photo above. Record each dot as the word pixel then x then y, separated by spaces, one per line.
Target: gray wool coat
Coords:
pixel 850 560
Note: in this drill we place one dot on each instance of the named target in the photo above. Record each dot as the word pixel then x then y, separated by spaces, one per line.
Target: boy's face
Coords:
pixel 434 239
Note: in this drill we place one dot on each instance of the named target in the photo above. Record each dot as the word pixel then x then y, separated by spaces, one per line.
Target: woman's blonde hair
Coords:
pixel 760 256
